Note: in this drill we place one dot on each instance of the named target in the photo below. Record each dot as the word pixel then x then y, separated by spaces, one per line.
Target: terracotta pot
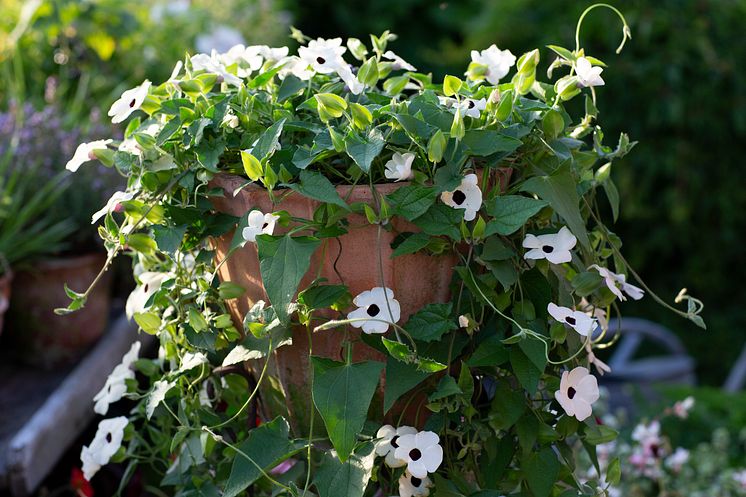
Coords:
pixel 5 286
pixel 416 279
pixel 43 338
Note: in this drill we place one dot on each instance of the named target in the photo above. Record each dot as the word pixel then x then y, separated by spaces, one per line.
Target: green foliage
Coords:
pixel 504 191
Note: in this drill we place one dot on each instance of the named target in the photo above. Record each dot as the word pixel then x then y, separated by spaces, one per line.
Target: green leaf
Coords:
pixel 487 142
pixel 596 434
pixel 413 243
pixel 507 406
pixel 315 185
pixel 586 283
pixel 290 86
pixel 361 116
pixel 335 478
pixel 322 296
pixel 283 261
pixel 495 250
pixel 342 395
pixel 267 446
pixel 251 165
pixel 614 472
pixel 451 85
pixel 368 72
pixel 169 238
pixel 436 147
pixel 559 190
pixel 491 352
pixel 525 370
pixel 411 201
pixel 149 322
pixel 431 322
pixel 446 387
pixel 363 149
pixel 400 379
pixel 441 219
pixel 510 212
pixel 269 140
pixel 330 106
pixel 540 470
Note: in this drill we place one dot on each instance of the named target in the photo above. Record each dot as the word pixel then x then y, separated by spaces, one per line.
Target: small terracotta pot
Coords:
pixel 43 338
pixel 352 259
pixel 5 286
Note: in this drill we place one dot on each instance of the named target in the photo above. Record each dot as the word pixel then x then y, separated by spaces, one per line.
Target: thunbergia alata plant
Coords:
pixel 485 393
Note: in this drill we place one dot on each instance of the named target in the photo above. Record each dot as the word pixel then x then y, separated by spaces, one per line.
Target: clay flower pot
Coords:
pixel 416 279
pixel 43 338
pixel 5 286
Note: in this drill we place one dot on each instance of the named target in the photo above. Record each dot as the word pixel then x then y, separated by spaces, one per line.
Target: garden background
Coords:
pixel 680 80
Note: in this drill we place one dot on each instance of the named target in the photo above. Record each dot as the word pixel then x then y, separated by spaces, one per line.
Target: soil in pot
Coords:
pixel 43 338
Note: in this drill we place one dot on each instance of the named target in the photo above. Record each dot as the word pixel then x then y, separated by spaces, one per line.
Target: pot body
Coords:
pixel 43 338
pixel 5 288
pixel 356 259
pixel 352 259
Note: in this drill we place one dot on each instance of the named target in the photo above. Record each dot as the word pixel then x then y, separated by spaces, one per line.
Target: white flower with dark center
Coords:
pixel 398 62
pixel 422 453
pixel 387 443
pixel 472 108
pixel 577 320
pixel 467 196
pixel 219 39
pixel 324 56
pixel 498 62
pixel 578 390
pixel 112 204
pixel 104 445
pixel 617 283
pixel 588 75
pixel 259 224
pixel 555 247
pixel 129 102
pixel 116 386
pixel 150 283
pixel 399 167
pixel 649 438
pixel 677 460
pixel 376 309
pixel 447 102
pixel 411 486
pixel 85 153
pixel 212 64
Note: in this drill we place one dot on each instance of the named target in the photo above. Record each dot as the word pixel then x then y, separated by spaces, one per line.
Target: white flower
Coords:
pixel 150 283
pixel 324 56
pixel 112 204
pixel 219 39
pixel 104 445
pixel 296 66
pixel 378 303
pixel 387 443
pixel 422 453
pixel 467 196
pixel 681 408
pixel 554 248
pixel 400 166
pixel 259 224
pixel 116 386
pixel 595 312
pixel 350 80
pixel 411 486
pixel 246 56
pixel 398 62
pixel 272 54
pixel 498 62
pixel 677 460
pixel 472 108
pixel 740 478
pixel 130 146
pixel 577 320
pixel 578 390
pixel 587 74
pixel 212 64
pixel 85 153
pixel 129 102
pixel 463 321
pixel 648 436
pixel 617 283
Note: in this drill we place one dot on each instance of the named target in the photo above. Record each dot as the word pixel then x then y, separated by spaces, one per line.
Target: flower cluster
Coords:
pixel 419 452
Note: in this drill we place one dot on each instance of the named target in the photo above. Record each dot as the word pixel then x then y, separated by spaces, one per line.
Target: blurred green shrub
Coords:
pixel 679 87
